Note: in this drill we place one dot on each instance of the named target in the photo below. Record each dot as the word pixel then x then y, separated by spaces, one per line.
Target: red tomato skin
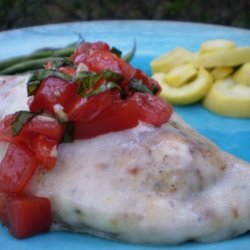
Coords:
pixel 68 70
pixel 45 126
pixel 52 91
pixel 87 48
pixel 98 61
pixel 154 84
pixel 43 147
pixel 29 216
pixel 5 128
pixel 16 168
pixel 86 109
pixel 121 115
pixel 4 200
pixel 151 109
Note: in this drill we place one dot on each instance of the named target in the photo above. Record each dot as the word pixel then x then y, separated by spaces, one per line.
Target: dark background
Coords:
pixel 22 13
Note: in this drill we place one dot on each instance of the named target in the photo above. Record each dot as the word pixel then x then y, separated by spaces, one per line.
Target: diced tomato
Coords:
pixel 4 200
pixel 2 203
pixel 45 150
pixel 53 91
pixel 68 70
pixel 86 109
pixel 152 109
pixel 46 126
pixel 98 61
pixel 16 168
pixel 28 216
pixel 121 115
pixel 5 128
pixel 155 85
pixel 87 48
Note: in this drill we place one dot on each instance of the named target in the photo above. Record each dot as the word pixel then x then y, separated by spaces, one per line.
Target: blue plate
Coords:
pixel 153 38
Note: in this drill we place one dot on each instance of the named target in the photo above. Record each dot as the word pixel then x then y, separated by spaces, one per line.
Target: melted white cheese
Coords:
pixel 13 94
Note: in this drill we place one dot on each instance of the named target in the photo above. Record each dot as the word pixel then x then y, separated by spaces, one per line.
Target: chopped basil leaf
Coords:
pixel 22 117
pixel 68 133
pixel 32 87
pixel 116 51
pixel 112 76
pixel 102 88
pixel 129 56
pixel 87 80
pixel 155 90
pixel 137 85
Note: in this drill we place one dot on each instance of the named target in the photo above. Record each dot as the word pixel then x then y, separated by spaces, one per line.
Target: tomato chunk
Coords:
pixel 52 91
pixel 101 60
pixel 45 126
pixel 28 216
pixel 87 48
pixel 5 128
pixel 121 115
pixel 16 168
pixel 4 200
pixel 152 109
pixel 86 109
pixel 45 150
pixel 68 70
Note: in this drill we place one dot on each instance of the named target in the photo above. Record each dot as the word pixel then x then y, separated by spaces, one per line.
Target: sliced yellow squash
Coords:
pixel 170 60
pixel 216 44
pixel 228 98
pixel 180 74
pixel 221 72
pixel 225 57
pixel 188 93
pixel 242 75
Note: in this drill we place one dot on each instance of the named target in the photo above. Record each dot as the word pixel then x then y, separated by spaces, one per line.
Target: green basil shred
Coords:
pixel 102 88
pixel 137 85
pixel 68 133
pixel 116 51
pixel 87 80
pixel 21 118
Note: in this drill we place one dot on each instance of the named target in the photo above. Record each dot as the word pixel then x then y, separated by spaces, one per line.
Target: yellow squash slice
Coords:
pixel 228 98
pixel 225 57
pixel 216 44
pixel 170 60
pixel 242 75
pixel 180 74
pixel 188 93
pixel 221 72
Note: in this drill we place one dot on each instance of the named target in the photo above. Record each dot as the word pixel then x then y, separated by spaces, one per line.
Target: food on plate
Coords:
pixel 38 58
pixel 190 92
pixel 216 44
pixel 223 57
pixel 88 146
pixel 180 74
pixel 220 59
pixel 242 75
pixel 35 60
pixel 228 98
pixel 171 59
pixel 219 73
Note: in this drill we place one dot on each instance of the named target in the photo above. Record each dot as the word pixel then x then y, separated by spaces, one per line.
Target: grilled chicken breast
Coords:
pixel 146 184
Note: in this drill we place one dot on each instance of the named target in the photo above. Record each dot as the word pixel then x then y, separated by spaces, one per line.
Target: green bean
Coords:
pixel 42 53
pixel 28 65
pixel 130 55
